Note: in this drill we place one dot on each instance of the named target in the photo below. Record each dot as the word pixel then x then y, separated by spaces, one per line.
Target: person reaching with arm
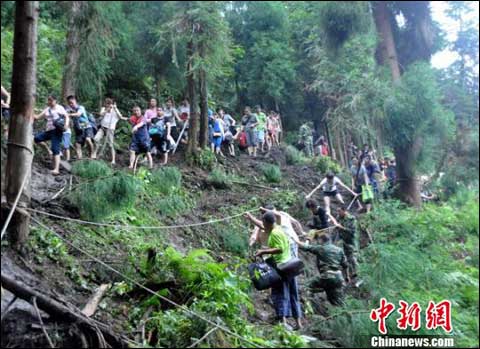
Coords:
pixel 329 187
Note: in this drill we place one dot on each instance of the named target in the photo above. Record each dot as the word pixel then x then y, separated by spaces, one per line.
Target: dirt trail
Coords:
pixel 299 179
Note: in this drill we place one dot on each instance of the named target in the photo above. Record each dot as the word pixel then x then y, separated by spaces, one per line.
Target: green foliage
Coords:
pixel 100 198
pixel 91 169
pixel 272 173
pixel 426 255
pixel 166 180
pixel 205 159
pixel 219 179
pixel 414 110
pixel 294 156
pixel 340 20
pixel 325 164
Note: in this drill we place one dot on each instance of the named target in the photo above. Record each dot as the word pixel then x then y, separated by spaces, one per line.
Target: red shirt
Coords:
pixel 134 120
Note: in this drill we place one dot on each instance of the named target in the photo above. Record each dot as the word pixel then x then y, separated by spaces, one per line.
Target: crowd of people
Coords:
pixel 159 129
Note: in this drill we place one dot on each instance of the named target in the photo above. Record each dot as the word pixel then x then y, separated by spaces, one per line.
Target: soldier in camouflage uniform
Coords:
pixel 331 262
pixel 347 224
pixel 306 138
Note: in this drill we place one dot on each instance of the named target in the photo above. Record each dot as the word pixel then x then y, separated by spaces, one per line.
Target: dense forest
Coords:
pixel 359 73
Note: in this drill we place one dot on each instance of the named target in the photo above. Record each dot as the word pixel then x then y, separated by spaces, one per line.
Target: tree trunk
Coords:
pixel 192 96
pixel 407 187
pixel 202 76
pixel 20 139
pixel 72 56
pixel 388 52
pixel 332 151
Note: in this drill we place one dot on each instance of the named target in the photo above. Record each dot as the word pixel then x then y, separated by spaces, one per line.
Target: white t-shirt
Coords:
pixel 328 186
pixel 53 114
pixel 110 119
pixel 170 116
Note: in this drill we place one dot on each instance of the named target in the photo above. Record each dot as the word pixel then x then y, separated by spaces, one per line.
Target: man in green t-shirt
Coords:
pixel 285 295
pixel 261 127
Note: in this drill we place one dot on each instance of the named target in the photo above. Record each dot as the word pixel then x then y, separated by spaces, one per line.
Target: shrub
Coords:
pixel 325 164
pixel 205 159
pixel 219 179
pixel 272 173
pixel 91 169
pixel 100 198
pixel 294 156
pixel 166 180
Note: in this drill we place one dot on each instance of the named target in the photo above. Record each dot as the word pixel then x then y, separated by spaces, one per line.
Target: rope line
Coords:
pixel 213 221
pixel 180 306
pixel 15 203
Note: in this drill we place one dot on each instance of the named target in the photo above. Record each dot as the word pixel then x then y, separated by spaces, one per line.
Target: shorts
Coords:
pixel 140 145
pixel 251 137
pixel 217 141
pixel 261 136
pixel 330 193
pixel 67 140
pixel 103 131
pixel 174 132
pixel 52 135
pixel 161 143
pixel 82 135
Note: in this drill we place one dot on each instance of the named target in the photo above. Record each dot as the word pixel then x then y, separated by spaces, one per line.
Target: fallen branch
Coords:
pixel 93 302
pixel 204 337
pixel 61 311
pixel 34 302
pixel 254 185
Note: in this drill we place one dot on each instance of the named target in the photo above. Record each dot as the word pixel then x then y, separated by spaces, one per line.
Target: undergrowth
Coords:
pixel 417 256
pixel 272 173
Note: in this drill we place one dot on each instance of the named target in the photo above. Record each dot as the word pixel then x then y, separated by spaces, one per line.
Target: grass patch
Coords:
pixel 166 180
pixel 219 179
pixel 294 156
pixel 91 169
pixel 272 173
pixel 100 198
pixel 325 164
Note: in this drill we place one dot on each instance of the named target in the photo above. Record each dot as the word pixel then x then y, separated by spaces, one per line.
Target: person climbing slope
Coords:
pixel 285 295
pixel 329 187
pixel 140 138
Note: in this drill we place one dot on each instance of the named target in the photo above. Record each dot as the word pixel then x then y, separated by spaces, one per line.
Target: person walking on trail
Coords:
pixel 140 138
pixel 279 126
pixel 285 296
pixel 110 116
pixel 218 135
pixel 321 147
pixel 329 187
pixel 249 123
pixel 152 111
pixel 306 138
pixel 359 179
pixel 272 126
pixel 57 123
pixel 347 224
pixel 390 174
pixel 373 170
pixel 83 128
pixel 319 219
pixel 331 264
pixel 159 131
pixel 171 116
pixel 261 128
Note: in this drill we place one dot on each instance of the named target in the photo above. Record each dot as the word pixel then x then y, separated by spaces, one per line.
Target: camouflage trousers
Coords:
pixel 350 251
pixel 308 142
pixel 332 283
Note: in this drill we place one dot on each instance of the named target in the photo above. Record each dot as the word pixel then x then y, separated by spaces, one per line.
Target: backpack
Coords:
pixel 59 122
pixel 242 140
pixel 92 122
pixel 158 128
pixel 263 276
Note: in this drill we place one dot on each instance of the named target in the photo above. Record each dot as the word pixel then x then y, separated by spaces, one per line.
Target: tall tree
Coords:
pixel 72 56
pixel 20 140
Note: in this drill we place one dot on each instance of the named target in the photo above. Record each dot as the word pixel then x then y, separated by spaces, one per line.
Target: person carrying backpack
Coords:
pixel 285 296
pixel 249 123
pixel 159 131
pixel 57 123
pixel 82 124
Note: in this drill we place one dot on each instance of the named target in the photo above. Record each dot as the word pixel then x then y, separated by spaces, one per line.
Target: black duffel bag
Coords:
pixel 263 275
pixel 291 268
